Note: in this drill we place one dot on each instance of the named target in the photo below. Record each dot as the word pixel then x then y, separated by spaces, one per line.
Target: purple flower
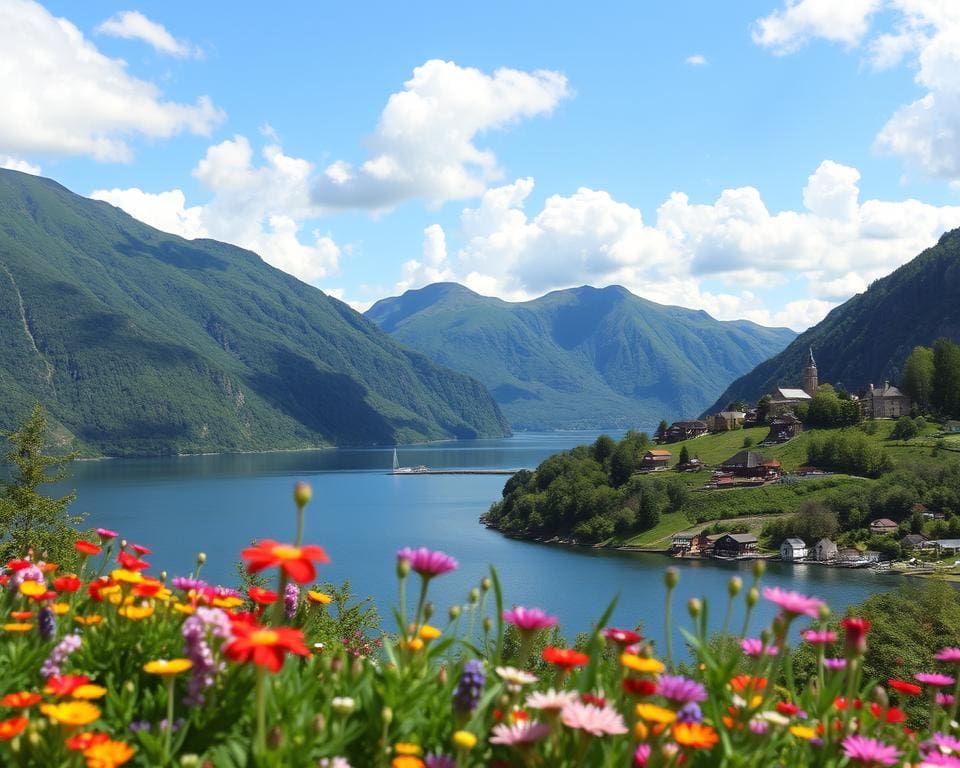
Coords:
pixel 440 761
pixel 759 727
pixel 680 689
pixel 835 663
pixel 186 584
pixel 869 751
pixel 529 619
pixel 793 603
pixel 137 726
pixel 291 596
pixel 53 665
pixel 47 624
pixel 466 695
pixel 934 678
pixel 197 631
pixel 690 713
pixel 30 573
pixel 428 563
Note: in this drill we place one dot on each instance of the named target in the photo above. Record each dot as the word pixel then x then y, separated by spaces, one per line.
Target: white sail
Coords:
pixel 396 463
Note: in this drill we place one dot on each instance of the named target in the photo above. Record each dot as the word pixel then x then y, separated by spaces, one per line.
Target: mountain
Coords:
pixel 141 342
pixel 866 339
pixel 583 357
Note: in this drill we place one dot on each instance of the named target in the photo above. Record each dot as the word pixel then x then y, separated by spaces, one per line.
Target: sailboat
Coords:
pixel 398 470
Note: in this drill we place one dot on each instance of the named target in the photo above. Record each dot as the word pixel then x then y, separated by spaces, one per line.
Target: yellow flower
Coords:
pixel 164 594
pixel 184 608
pixel 464 740
pixel 108 754
pixel 17 627
pixel 321 598
pixel 654 714
pixel 429 633
pixel 227 602
pixel 406 748
pixel 641 663
pixel 127 577
pixel 60 608
pixel 165 667
pixel 640 731
pixel 136 612
pixel 111 591
pixel 71 712
pixel 415 644
pixel 89 691
pixel 32 588
pixel 88 620
pixel 803 731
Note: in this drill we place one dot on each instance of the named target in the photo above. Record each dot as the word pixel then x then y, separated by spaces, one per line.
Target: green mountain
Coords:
pixel 583 357
pixel 866 339
pixel 142 342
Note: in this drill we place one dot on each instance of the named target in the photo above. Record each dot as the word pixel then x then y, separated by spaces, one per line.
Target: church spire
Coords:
pixel 810 379
pixel 811 363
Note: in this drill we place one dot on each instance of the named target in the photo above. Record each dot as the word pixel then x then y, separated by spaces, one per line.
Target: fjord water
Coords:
pixel 361 515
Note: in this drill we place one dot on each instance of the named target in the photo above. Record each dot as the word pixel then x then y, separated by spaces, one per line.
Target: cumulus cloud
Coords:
pixel 62 96
pixel 799 21
pixel 133 25
pixel 725 257
pixel 260 206
pixel 697 60
pixel 18 164
pixel 425 143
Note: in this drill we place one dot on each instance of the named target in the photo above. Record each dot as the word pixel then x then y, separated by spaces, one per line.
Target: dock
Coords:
pixel 416 472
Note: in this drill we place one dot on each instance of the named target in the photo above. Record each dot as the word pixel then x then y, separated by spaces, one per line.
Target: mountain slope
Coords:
pixel 141 342
pixel 583 357
pixel 866 339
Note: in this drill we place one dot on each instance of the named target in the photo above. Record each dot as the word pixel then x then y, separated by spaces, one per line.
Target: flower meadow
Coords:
pixel 114 666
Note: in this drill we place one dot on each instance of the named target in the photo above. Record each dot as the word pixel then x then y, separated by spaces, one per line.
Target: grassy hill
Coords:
pixel 141 342
pixel 866 339
pixel 583 357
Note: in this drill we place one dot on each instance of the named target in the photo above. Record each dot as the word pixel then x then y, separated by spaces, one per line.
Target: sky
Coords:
pixel 764 159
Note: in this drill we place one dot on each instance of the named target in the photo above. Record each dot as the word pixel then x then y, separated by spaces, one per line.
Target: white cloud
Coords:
pixel 696 60
pixel 840 21
pixel 831 249
pixel 62 96
pixel 259 207
pixel 18 164
pixel 425 143
pixel 133 25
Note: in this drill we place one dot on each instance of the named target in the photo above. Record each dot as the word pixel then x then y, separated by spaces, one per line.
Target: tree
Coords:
pixel 603 448
pixel 945 392
pixel 30 521
pixel 684 456
pixel 917 377
pixel 905 429
pixel 763 408
pixel 648 515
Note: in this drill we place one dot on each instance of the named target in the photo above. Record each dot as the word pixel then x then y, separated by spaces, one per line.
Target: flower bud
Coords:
pixel 464 740
pixel 336 664
pixel 386 714
pixel 403 568
pixel 855 636
pixel 474 596
pixel 275 737
pixel 694 606
pixel 824 612
pixel 759 568
pixel 428 611
pixel 485 583
pixel 189 760
pixel 123 543
pixel 487 624
pixel 454 612
pixel 163 575
pixel 302 492
pixel 671 577
pixel 201 558
pixel 356 668
pixel 753 597
pixel 879 695
pixel 442 676
pixel 734 586
pixel 342 705
pixel 319 723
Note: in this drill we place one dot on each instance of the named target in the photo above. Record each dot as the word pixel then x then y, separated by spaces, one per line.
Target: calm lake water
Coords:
pixel 361 515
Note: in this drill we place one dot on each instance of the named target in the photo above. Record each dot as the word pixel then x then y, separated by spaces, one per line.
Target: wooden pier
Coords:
pixel 416 472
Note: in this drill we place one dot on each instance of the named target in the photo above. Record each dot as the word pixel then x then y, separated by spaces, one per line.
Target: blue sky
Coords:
pixel 758 159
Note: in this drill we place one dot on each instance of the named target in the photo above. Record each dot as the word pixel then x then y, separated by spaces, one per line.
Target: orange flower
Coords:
pixel 297 562
pixel 741 683
pixel 566 658
pixel 695 735
pixel 107 754
pixel 88 620
pixel 17 627
pixel 264 646
pixel 21 615
pixel 11 728
pixel 20 700
pixel 86 548
pixel 320 598
pixel 86 740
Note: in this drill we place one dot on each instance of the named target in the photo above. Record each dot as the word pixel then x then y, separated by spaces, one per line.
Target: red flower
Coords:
pixel 140 550
pixel 20 700
pixel 18 565
pixel 892 715
pixel 264 646
pixel 904 687
pixel 597 701
pixel 639 686
pixel 86 547
pixel 64 685
pixel 67 583
pixel 296 561
pixel 567 658
pixel 86 740
pixel 131 562
pixel 622 636
pixel 21 615
pixel 12 728
pixel 856 635
pixel 262 596
pixel 785 708
pixel 147 588
pixel 94 587
pixel 841 703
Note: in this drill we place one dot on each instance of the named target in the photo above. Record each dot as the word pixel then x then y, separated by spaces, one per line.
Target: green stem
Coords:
pixel 403 607
pixel 167 741
pixel 299 539
pixel 421 601
pixel 279 606
pixel 956 697
pixel 668 628
pixel 261 710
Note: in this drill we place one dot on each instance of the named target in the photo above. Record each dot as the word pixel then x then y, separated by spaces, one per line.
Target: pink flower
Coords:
pixel 642 755
pixel 819 636
pixel 835 663
pixel 950 655
pixel 934 678
pixel 753 646
pixel 551 699
pixel 106 533
pixel 426 562
pixel 519 734
pixel 529 619
pixel 869 751
pixel 945 699
pixel 945 742
pixel 793 603
pixel 939 760
pixel 598 721
pixel 855 635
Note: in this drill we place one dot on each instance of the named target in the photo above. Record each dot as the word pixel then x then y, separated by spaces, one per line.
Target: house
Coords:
pixel 693 465
pixel 951 427
pixel 913 541
pixel 824 550
pixel 735 545
pixel 726 421
pixel 752 464
pixel 686 430
pixel 883 526
pixel 703 543
pixel 681 543
pixel 784 400
pixel 793 549
pixel 751 417
pixel 943 546
pixel 783 428
pixel 886 402
pixel 655 459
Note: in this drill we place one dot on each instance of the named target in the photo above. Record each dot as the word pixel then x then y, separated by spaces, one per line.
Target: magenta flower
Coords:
pixel 949 655
pixel 597 721
pixel 519 734
pixel 106 534
pixel 642 755
pixel 680 689
pixel 869 751
pixel 753 647
pixel 835 663
pixel 529 619
pixel 945 699
pixel 944 741
pixel 428 563
pixel 622 636
pixel 939 760
pixel 793 603
pixel 934 678
pixel 819 636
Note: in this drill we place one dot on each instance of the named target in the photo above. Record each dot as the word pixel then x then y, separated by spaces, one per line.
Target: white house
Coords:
pixel 793 549
pixel 825 550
